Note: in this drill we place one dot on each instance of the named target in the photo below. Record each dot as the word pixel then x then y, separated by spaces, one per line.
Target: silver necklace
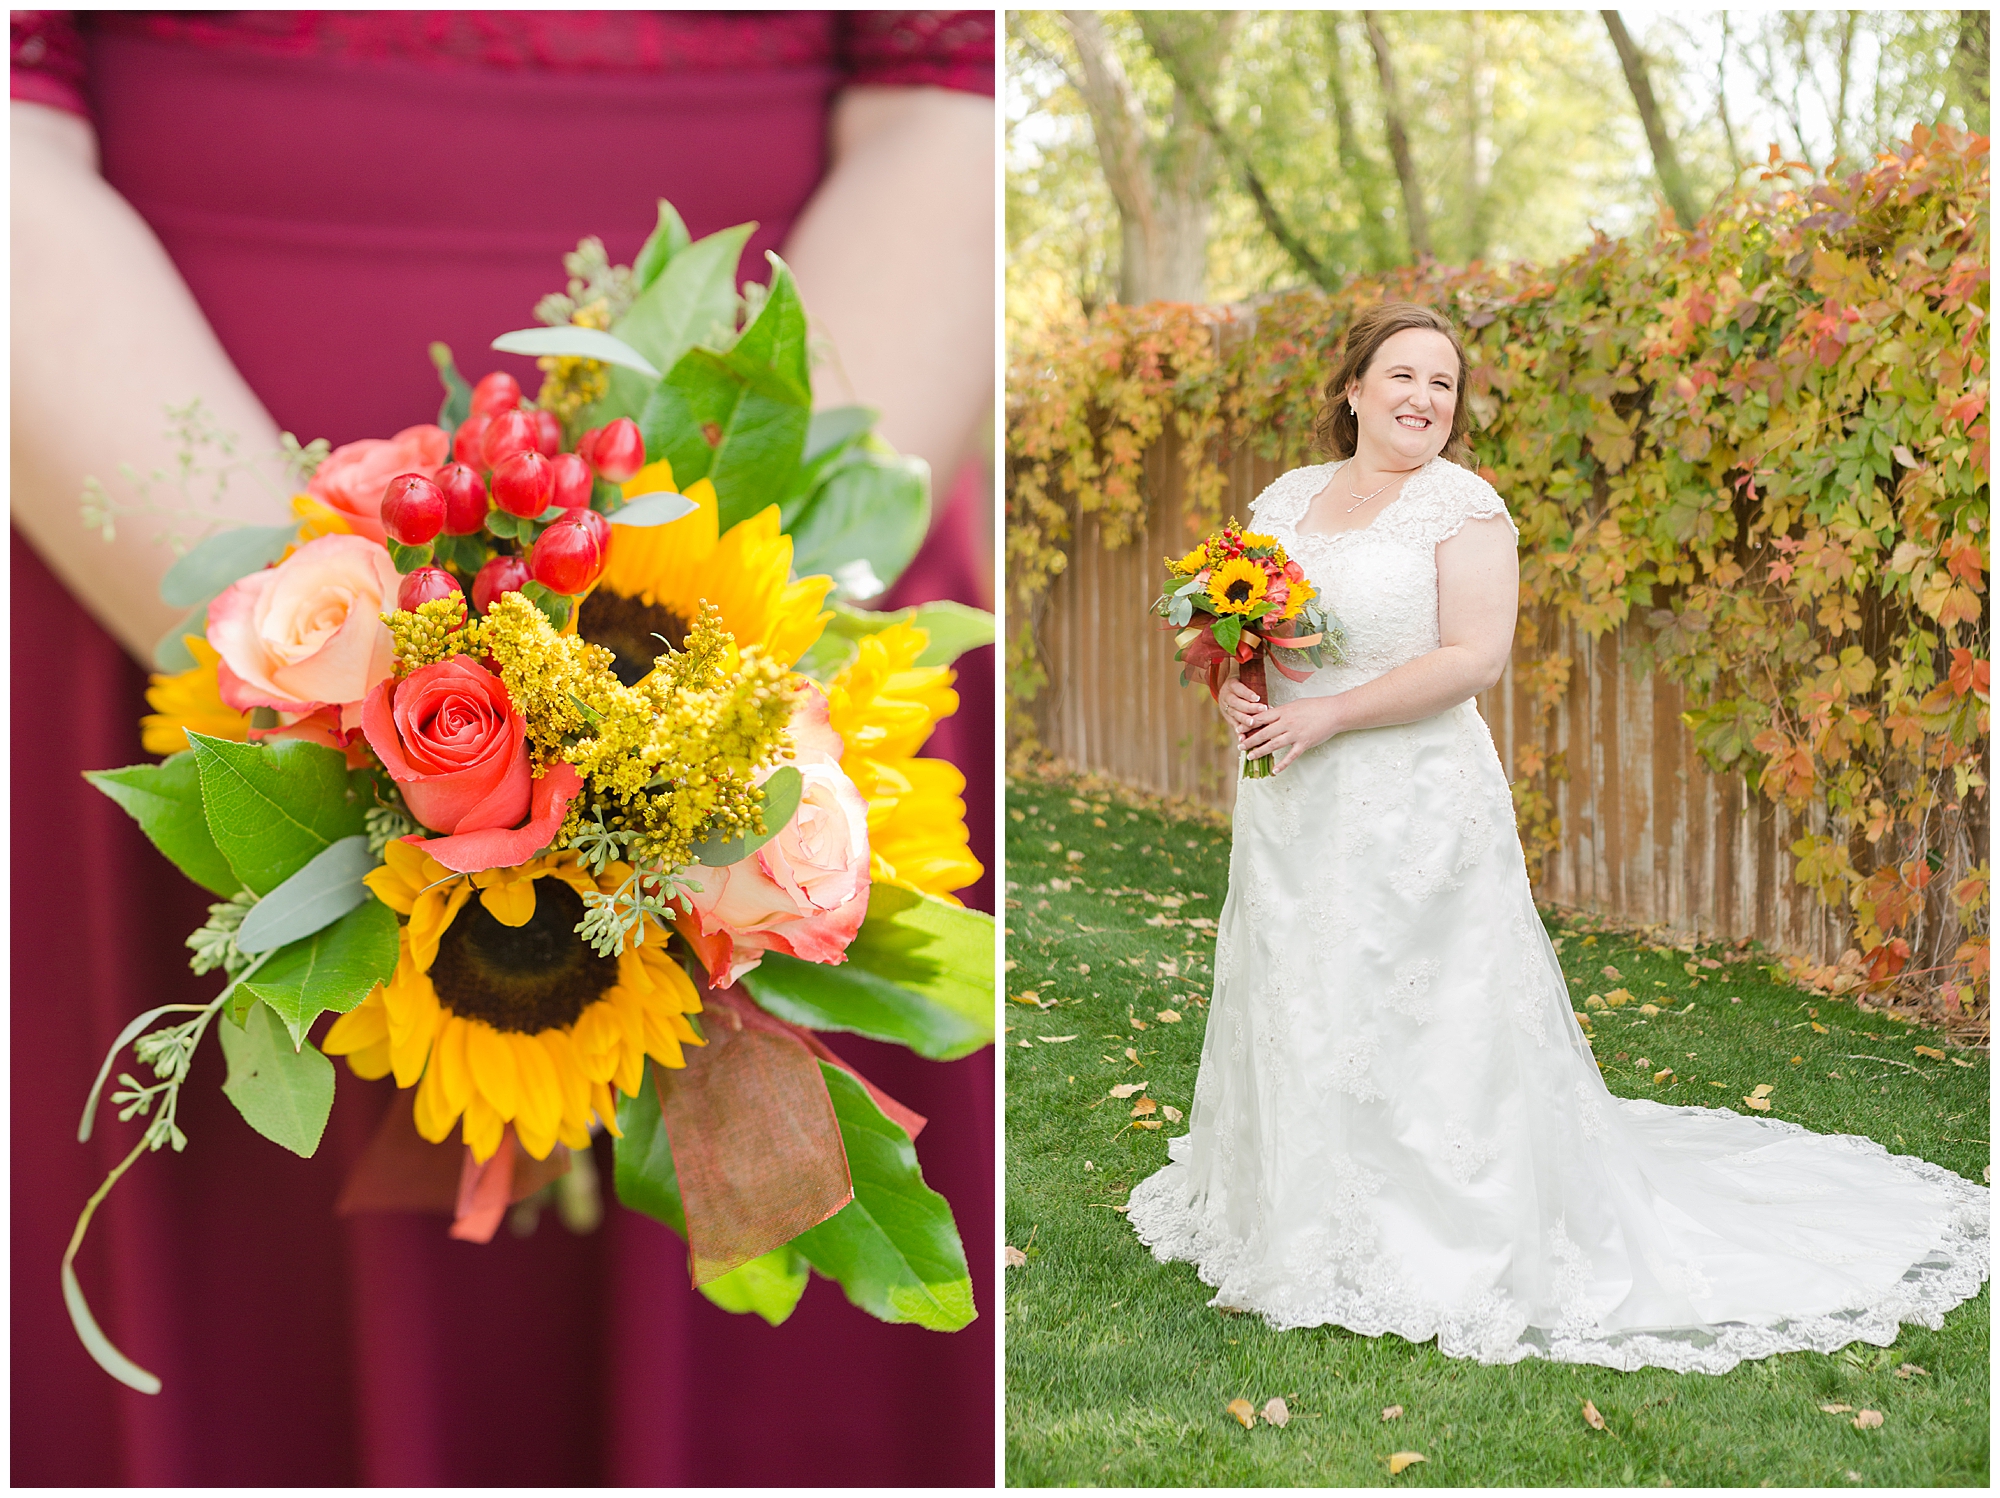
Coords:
pixel 1363 499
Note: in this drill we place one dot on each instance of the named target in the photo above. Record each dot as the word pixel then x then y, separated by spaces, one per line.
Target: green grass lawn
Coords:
pixel 1119 1373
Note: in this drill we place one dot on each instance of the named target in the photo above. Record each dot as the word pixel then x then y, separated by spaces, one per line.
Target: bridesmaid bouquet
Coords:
pixel 1231 581
pixel 528 755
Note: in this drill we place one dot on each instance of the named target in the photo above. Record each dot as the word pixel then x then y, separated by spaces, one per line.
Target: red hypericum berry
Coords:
pixel 427 585
pixel 501 575
pixel 510 432
pixel 619 451
pixel 468 443
pixel 548 433
pixel 597 524
pixel 567 557
pixel 586 445
pixel 464 499
pixel 412 509
pixel 523 484
pixel 572 481
pixel 498 392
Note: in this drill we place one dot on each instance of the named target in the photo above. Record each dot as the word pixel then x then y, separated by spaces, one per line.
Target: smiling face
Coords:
pixel 1405 398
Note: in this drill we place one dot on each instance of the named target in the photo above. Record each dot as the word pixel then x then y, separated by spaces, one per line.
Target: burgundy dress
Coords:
pixel 338 190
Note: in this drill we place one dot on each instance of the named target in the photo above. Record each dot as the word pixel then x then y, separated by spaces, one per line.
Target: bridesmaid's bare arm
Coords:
pixel 105 336
pixel 894 258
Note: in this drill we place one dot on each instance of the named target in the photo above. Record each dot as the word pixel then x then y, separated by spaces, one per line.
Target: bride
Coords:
pixel 1398 1126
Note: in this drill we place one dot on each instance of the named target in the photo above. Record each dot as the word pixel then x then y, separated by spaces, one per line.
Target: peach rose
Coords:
pixel 306 633
pixel 805 892
pixel 351 480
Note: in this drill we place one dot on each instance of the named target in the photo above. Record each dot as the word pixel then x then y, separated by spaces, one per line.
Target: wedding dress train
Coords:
pixel 1398 1126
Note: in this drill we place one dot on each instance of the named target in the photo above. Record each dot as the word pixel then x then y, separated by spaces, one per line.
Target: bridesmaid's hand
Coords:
pixel 1288 731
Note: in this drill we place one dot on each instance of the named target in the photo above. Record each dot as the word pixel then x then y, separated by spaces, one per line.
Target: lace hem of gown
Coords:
pixel 1492 1330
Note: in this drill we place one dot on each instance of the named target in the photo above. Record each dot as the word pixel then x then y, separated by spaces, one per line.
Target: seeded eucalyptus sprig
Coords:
pixel 650 890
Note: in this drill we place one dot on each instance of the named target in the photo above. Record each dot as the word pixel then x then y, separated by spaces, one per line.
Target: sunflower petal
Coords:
pixel 483 1128
pixel 434 1113
pixel 605 1106
pixel 454 1071
pixel 539 1105
pixel 494 1075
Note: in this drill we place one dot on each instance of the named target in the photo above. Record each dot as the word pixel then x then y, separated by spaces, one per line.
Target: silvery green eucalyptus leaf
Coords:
pixel 316 896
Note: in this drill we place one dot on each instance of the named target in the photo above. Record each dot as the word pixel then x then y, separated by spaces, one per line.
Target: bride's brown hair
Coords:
pixel 1336 429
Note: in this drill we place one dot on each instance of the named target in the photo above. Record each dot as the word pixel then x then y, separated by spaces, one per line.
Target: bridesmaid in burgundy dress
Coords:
pixel 336 190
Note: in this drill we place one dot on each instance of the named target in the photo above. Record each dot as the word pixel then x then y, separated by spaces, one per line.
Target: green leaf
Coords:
pixel 874 510
pixel 643 1172
pixel 738 419
pixel 821 996
pixel 502 524
pixel 221 560
pixel 781 800
pixel 316 896
pixel 170 652
pixel 770 1286
pixel 668 239
pixel 1229 631
pixel 656 508
pixel 408 558
pixel 954 628
pixel 836 429
pixel 272 806
pixel 165 800
pixel 919 973
pixel 283 1094
pixel 894 1248
pixel 333 969
pixel 572 342
pixel 693 297
pixel 457 394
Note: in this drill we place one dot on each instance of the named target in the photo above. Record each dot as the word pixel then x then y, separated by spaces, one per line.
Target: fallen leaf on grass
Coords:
pixel 1796 1060
pixel 1015 1258
pixel 1868 1420
pixel 1662 1075
pixel 1275 1413
pixel 1590 1416
pixel 1837 1409
pixel 1033 999
pixel 1618 998
pixel 1911 1370
pixel 1612 973
pixel 1146 1123
pixel 1760 1097
pixel 1126 1089
pixel 1173 1114
pixel 1168 1017
pixel 1393 1412
pixel 1144 1107
pixel 1138 1024
pixel 1054 1039
pixel 1244 1411
pixel 1956 1062
pixel 1819 1029
pixel 1930 1051
pixel 1404 1459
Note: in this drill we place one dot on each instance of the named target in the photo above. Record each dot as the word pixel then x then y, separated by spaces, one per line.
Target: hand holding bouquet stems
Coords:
pixel 540 759
pixel 1215 594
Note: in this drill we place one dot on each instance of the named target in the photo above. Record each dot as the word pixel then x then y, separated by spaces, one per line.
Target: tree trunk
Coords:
pixel 1479 145
pixel 1161 191
pixel 1355 166
pixel 1970 64
pixel 1665 163
pixel 1418 220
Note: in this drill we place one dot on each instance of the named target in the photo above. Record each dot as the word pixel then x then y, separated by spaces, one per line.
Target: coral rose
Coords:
pixel 306 633
pixel 351 480
pixel 452 740
pixel 805 892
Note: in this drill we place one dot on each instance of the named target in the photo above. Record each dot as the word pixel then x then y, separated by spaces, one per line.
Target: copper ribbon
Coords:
pixel 401 1171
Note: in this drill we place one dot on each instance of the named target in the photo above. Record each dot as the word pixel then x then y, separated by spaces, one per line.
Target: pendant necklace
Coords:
pixel 1363 499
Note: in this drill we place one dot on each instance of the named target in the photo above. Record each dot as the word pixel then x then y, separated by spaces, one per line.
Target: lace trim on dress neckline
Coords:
pixel 1329 470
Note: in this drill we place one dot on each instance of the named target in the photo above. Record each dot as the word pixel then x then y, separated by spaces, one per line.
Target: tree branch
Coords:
pixel 1665 163
pixel 1274 222
pixel 1419 221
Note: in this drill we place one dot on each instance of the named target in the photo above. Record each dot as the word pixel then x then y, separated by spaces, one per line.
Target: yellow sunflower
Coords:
pixel 1193 562
pixel 500 1013
pixel 1254 539
pixel 883 706
pixel 189 699
pixel 658 576
pixel 1236 586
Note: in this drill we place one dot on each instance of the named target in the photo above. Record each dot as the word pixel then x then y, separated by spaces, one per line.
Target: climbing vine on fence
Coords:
pixel 1764 440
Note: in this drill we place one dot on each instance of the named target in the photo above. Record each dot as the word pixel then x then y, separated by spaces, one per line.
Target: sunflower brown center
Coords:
pixel 530 978
pixel 1238 591
pixel 631 631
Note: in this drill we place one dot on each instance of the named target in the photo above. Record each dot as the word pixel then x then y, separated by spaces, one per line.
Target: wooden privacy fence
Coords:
pixel 1648 834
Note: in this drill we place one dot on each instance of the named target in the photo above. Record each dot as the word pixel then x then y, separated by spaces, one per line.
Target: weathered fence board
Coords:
pixel 1648 834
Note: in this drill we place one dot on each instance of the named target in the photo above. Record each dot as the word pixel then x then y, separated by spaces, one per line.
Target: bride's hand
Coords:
pixel 1236 703
pixel 1287 731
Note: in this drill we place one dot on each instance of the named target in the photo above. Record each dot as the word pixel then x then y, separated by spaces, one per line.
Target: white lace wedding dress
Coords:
pixel 1398 1126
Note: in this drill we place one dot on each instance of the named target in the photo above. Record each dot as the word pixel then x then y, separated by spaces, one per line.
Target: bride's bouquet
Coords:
pixel 1215 594
pixel 529 755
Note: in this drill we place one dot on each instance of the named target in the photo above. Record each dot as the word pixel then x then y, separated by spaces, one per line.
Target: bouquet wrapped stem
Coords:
pixel 1251 674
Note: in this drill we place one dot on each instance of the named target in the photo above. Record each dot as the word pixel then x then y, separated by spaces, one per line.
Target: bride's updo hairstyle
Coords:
pixel 1336 429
